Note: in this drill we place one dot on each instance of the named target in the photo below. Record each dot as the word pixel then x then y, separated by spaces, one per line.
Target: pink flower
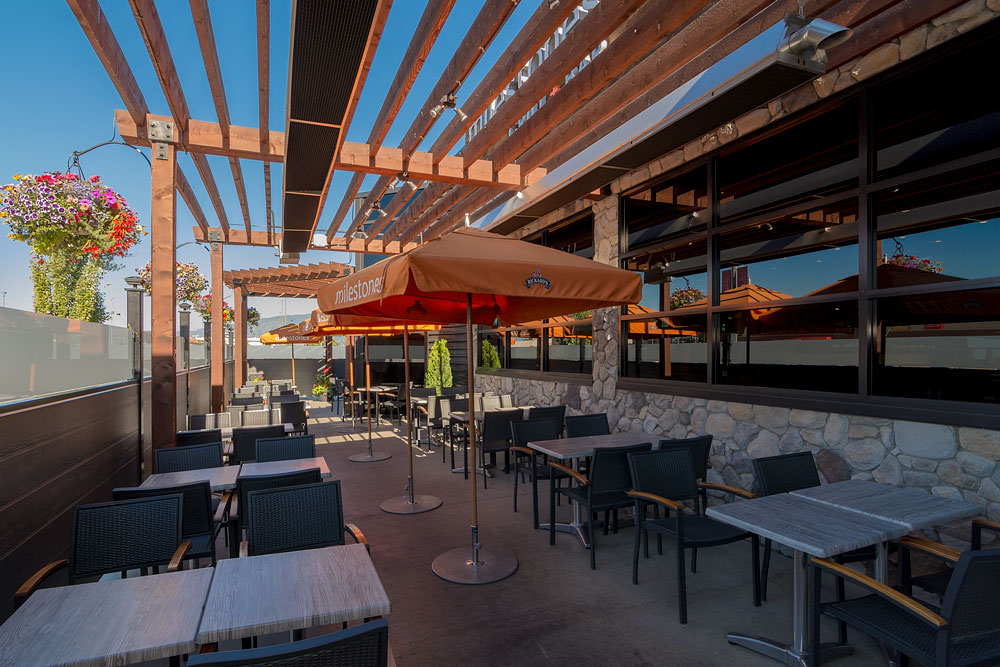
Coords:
pixel 95 178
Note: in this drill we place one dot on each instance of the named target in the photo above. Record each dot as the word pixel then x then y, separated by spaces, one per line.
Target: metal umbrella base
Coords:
pixel 369 458
pixel 458 566
pixel 404 505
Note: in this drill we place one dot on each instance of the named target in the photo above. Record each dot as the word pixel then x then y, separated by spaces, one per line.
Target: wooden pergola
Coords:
pixel 515 125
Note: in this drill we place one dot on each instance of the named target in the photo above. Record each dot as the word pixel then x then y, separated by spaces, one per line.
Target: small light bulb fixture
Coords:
pixel 553 4
pixel 520 195
pixel 467 220
pixel 448 101
pixel 404 177
pixel 360 234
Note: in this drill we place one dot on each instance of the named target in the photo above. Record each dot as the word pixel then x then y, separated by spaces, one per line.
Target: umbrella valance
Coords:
pixel 322 324
pixel 286 335
pixel 509 280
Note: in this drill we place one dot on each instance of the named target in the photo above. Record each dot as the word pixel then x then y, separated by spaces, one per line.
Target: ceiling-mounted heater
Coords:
pixel 718 95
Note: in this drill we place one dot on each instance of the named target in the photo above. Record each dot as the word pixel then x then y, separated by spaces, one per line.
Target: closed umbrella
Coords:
pixel 481 278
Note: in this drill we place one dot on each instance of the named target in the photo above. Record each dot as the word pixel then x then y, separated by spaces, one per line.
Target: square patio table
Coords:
pixel 220 479
pixel 577 449
pixel 913 508
pixel 810 528
pixel 114 622
pixel 259 595
pixel 278 467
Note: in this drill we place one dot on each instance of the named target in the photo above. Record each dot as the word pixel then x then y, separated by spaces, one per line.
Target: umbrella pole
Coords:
pixel 369 457
pixel 486 564
pixel 293 366
pixel 410 503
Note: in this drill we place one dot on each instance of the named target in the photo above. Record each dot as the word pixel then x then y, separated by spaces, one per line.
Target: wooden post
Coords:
pixel 163 262
pixel 217 333
pixel 240 336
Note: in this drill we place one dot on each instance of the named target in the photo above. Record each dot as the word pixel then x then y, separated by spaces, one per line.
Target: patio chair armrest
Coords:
pixel 569 471
pixel 358 536
pixel 518 449
pixel 736 491
pixel 29 586
pixel 977 531
pixel 930 548
pixel 223 509
pixel 884 591
pixel 659 500
pixel 178 559
pixel 244 549
pixel 389 393
pixel 421 409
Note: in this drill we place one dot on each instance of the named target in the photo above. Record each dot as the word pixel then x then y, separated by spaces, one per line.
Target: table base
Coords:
pixel 458 567
pixel 579 530
pixel 403 505
pixel 784 653
pixel 369 458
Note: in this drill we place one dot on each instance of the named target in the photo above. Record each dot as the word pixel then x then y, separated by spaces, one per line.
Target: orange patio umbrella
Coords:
pixel 323 324
pixel 287 334
pixel 482 278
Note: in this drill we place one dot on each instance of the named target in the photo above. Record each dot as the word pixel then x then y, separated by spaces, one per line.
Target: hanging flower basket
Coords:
pixel 914 262
pixel 203 306
pixel 253 316
pixel 685 296
pixel 190 282
pixel 62 214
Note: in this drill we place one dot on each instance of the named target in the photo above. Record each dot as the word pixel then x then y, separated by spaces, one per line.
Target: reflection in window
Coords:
pixel 940 346
pixel 570 348
pixel 797 347
pixel 525 349
pixel 491 352
pixel 662 349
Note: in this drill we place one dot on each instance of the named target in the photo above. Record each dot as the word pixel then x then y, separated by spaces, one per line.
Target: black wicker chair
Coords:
pixel 579 426
pixel 198 437
pixel 285 448
pixel 528 461
pixel 119 536
pixel 666 478
pixel 231 510
pixel 365 645
pixel 557 413
pixel 193 457
pixel 936 582
pixel 247 401
pixel 700 448
pixel 244 439
pixel 277 399
pixel 791 472
pixel 197 525
pixel 496 436
pixel 295 413
pixel 604 489
pixel 292 518
pixel 256 417
pixel 210 420
pixel 965 631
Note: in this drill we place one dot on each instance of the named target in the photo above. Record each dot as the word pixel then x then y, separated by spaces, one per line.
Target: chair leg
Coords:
pixel 593 537
pixel 814 616
pixel 635 546
pixel 607 520
pixel 682 605
pixel 764 568
pixel 483 459
pixel 755 564
pixel 841 626
pixel 515 488
pixel 552 510
pixel 614 518
pixel 534 496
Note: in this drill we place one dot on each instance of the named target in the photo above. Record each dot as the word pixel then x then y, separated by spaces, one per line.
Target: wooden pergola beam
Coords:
pixel 264 92
pixel 210 56
pixel 374 36
pixel 187 194
pixel 338 244
pixel 430 25
pixel 481 33
pixel 206 138
pixel 148 20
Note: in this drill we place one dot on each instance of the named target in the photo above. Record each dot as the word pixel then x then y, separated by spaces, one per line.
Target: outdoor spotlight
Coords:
pixel 376 208
pixel 436 111
pixel 461 115
pixel 466 219
pixel 809 41
pixel 448 102
pixel 404 177
pixel 360 234
pixel 520 195
pixel 553 4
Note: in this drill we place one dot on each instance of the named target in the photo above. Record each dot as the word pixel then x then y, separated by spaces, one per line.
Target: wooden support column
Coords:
pixel 240 336
pixel 218 342
pixel 163 264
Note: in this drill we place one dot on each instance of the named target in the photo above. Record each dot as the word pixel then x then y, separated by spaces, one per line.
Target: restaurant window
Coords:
pixel 525 349
pixel 570 344
pixel 492 351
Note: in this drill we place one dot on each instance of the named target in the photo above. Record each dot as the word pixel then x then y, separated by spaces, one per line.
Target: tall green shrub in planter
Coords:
pixel 438 372
pixel 490 357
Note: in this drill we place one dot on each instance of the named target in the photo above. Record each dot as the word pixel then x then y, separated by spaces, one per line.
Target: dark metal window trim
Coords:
pixel 582 379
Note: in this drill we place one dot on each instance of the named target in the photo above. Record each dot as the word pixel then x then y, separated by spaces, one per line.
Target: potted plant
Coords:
pixel 490 357
pixel 438 372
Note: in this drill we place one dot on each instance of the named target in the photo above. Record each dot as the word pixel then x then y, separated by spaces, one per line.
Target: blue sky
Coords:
pixel 58 98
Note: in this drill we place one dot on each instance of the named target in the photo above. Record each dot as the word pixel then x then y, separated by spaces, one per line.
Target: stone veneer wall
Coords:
pixel 952 462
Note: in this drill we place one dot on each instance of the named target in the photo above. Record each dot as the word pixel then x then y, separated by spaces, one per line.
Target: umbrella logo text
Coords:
pixel 537 279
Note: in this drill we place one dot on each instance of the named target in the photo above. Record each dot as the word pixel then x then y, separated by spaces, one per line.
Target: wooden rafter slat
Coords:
pixel 427 31
pixel 148 20
pixel 184 190
pixel 481 33
pixel 204 137
pixel 264 92
pixel 210 56
pixel 374 37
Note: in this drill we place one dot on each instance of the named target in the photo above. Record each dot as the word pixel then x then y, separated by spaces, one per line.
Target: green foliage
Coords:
pixel 490 358
pixel 321 385
pixel 68 287
pixel 438 372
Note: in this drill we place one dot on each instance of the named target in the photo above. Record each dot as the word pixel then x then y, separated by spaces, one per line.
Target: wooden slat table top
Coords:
pixel 575 448
pixel 277 467
pixel 463 415
pixel 220 479
pixel 115 622
pixel 815 528
pixel 913 508
pixel 259 595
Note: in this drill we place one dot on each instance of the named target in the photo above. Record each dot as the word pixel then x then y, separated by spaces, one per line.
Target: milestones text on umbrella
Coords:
pixel 361 289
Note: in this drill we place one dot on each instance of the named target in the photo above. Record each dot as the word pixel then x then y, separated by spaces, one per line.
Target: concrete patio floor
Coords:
pixel 554 610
